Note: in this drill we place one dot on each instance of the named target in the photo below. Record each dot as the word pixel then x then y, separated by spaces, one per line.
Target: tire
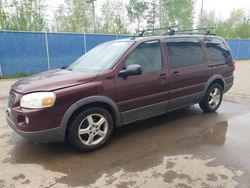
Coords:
pixel 90 129
pixel 212 99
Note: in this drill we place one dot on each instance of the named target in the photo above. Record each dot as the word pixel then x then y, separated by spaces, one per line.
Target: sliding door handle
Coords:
pixel 163 76
pixel 176 73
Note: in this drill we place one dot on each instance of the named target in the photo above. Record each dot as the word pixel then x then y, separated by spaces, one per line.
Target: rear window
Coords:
pixel 184 52
pixel 218 50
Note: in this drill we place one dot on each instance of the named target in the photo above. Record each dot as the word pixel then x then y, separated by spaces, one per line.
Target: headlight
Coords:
pixel 38 100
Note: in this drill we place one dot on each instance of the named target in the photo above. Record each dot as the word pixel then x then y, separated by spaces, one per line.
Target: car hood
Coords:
pixel 52 80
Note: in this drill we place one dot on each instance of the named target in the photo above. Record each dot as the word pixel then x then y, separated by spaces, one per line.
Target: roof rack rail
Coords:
pixel 142 32
pixel 173 30
pixel 206 31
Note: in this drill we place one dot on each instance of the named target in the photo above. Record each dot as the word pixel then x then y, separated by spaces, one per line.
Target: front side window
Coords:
pixel 147 55
pixel 217 50
pixel 184 52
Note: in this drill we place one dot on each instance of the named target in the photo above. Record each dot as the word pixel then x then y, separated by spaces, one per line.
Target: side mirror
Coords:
pixel 131 70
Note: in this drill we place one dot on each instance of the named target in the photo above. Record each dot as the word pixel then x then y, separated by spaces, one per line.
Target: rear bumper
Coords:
pixel 227 87
pixel 44 136
pixel 228 83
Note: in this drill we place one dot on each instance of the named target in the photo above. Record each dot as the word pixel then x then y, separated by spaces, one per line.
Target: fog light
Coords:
pixel 27 120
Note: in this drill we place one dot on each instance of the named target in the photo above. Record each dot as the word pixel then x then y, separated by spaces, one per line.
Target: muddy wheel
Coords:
pixel 212 99
pixel 90 129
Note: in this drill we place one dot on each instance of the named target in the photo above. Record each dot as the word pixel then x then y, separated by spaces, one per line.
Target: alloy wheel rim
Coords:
pixel 93 129
pixel 214 98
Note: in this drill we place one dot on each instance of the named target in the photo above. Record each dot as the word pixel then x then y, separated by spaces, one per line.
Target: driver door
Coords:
pixel 140 96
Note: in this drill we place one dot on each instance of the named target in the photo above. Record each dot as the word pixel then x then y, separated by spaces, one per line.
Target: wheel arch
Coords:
pixel 214 79
pixel 93 101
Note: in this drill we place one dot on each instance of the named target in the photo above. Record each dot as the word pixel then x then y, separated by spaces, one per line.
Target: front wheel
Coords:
pixel 91 129
pixel 212 99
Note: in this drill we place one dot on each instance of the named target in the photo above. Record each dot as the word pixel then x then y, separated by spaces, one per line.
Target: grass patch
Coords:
pixel 20 75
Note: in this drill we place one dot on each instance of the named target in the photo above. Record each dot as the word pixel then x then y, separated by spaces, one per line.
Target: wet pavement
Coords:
pixel 185 148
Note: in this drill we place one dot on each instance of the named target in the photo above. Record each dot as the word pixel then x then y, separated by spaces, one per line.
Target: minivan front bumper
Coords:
pixel 44 136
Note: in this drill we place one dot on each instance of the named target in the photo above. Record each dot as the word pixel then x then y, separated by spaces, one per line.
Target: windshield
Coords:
pixel 101 58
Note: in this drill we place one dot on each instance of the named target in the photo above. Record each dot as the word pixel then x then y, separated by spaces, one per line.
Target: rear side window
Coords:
pixel 184 52
pixel 218 50
pixel 148 55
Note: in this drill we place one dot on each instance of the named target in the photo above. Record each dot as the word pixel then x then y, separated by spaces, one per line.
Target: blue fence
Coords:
pixel 33 52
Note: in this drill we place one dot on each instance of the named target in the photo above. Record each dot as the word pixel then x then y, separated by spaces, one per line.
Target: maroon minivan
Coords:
pixel 120 82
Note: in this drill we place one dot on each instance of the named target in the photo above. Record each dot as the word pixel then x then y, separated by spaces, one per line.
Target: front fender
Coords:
pixel 87 101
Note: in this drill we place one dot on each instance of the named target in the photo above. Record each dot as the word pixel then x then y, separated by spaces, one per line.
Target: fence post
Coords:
pixel 238 49
pixel 1 72
pixel 248 52
pixel 117 37
pixel 85 43
pixel 47 49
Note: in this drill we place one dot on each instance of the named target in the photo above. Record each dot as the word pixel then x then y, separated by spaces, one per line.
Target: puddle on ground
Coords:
pixel 174 171
pixel 172 149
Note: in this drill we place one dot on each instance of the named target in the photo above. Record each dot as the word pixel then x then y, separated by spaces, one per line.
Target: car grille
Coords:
pixel 11 99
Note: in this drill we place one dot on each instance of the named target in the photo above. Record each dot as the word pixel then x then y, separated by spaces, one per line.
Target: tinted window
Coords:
pixel 148 55
pixel 217 49
pixel 184 52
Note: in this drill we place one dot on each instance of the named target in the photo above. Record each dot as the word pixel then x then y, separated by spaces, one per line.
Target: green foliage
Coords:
pixel 236 26
pixel 137 11
pixel 112 19
pixel 25 15
pixel 3 17
pixel 20 75
pixel 152 15
pixel 74 16
pixel 178 12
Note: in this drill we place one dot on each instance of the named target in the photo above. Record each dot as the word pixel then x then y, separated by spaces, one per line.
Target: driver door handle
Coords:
pixel 163 76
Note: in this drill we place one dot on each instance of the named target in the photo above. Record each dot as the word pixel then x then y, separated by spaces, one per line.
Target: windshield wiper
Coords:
pixel 64 67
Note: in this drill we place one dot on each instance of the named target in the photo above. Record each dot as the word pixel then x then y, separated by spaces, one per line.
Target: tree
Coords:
pixel 152 15
pixel 3 17
pixel 136 11
pixel 243 31
pixel 208 19
pixel 112 19
pixel 26 15
pixel 178 12
pixel 74 16
pixel 236 26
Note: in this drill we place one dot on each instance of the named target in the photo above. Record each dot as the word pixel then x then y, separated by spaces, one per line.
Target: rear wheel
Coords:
pixel 212 99
pixel 91 129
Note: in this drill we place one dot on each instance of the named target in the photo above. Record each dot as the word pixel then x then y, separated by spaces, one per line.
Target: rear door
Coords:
pixel 188 71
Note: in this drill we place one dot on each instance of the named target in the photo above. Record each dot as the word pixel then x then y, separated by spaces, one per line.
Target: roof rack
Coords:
pixel 206 31
pixel 174 30
pixel 141 33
